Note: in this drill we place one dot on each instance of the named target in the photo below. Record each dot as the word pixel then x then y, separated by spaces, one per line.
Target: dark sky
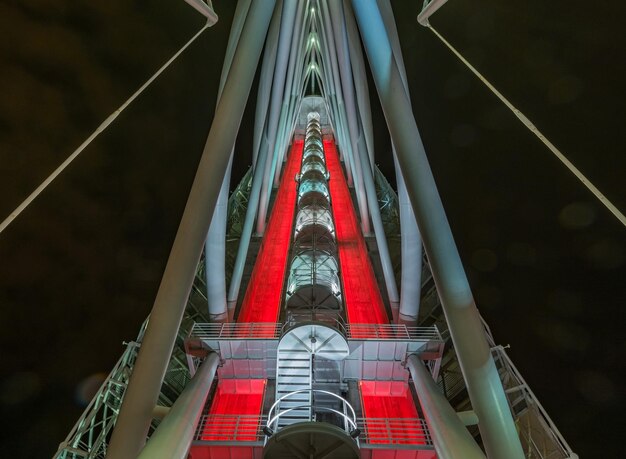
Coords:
pixel 79 269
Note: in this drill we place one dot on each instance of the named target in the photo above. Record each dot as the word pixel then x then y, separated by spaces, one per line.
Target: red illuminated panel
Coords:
pixel 263 296
pixel 237 404
pixel 391 416
pixel 235 411
pixel 364 304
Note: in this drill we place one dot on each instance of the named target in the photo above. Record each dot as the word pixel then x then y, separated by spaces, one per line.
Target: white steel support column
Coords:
pixel 215 246
pixel 362 89
pixel 341 42
pixel 173 437
pixel 481 376
pixel 265 86
pixel 339 125
pixel 265 83
pixel 278 88
pixel 332 55
pixel 451 438
pixel 215 253
pixel 411 251
pixel 291 90
pixel 145 382
pixel 411 240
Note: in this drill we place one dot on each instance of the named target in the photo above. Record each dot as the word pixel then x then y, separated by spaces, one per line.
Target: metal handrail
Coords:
pixel 318 408
pixel 247 330
pixel 392 331
pixel 230 427
pixel 276 406
pixel 331 319
pixel 273 330
pixel 404 431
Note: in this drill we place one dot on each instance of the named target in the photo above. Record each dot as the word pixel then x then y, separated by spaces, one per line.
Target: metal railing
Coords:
pixel 392 332
pixel 243 330
pixel 269 330
pixel 347 416
pixel 394 431
pixel 226 428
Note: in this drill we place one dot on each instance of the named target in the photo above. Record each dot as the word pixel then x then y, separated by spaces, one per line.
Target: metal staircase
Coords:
pixel 294 372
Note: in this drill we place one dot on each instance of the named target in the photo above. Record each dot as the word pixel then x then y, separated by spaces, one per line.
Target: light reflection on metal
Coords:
pixel 430 7
pixel 205 10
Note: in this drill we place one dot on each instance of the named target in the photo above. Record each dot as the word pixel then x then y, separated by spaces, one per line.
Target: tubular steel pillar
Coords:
pixel 173 437
pixel 215 253
pixel 362 89
pixel 265 86
pixel 411 246
pixel 145 382
pixel 411 240
pixel 215 246
pixel 278 89
pixel 340 126
pixel 265 83
pixel 350 147
pixel 481 376
pixel 359 147
pixel 338 57
pixel 451 438
pixel 283 137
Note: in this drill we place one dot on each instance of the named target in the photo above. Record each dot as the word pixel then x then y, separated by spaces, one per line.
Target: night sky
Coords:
pixel 80 268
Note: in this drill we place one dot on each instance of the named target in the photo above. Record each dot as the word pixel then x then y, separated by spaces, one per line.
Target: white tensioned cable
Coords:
pixel 532 128
pixel 105 124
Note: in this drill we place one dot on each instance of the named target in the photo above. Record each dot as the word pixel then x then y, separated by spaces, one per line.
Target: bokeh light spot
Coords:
pixel 577 215
pixel 88 388
pixel 596 387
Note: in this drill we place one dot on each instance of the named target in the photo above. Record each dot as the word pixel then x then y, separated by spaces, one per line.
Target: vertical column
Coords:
pixel 215 247
pixel 481 376
pixel 261 148
pixel 145 382
pixel 341 43
pixel 278 89
pixel 292 91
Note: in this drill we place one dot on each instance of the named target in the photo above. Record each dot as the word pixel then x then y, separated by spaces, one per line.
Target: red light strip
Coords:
pixel 234 410
pixel 364 304
pixel 239 402
pixel 391 400
pixel 263 296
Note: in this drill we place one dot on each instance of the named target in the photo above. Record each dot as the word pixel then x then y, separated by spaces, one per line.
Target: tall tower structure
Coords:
pixel 282 327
